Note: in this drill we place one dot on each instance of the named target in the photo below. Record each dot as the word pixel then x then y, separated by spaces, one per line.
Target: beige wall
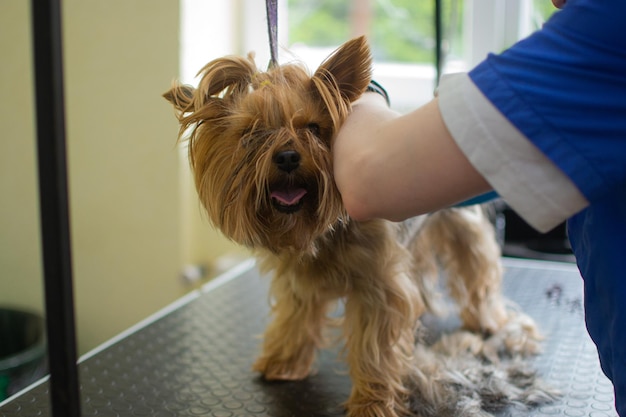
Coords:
pixel 135 220
pixel 20 269
pixel 123 166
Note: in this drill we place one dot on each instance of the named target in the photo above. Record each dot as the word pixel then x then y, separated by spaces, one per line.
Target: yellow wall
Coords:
pixel 135 221
pixel 123 167
pixel 20 268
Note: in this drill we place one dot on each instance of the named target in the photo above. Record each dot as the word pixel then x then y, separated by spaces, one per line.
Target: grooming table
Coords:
pixel 194 357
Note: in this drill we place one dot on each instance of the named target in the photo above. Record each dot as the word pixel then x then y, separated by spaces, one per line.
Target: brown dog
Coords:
pixel 260 149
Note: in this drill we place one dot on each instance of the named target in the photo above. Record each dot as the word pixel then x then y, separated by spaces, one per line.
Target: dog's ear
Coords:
pixel 221 78
pixel 349 68
pixel 181 97
pixel 226 76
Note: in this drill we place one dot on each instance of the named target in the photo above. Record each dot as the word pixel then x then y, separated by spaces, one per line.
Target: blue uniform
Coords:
pixel 563 89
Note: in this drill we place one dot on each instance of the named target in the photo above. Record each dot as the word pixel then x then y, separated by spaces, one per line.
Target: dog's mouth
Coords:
pixel 288 199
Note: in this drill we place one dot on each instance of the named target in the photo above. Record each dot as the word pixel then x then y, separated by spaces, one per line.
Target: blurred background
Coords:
pixel 140 239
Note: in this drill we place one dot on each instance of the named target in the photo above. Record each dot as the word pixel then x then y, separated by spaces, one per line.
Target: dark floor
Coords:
pixel 194 358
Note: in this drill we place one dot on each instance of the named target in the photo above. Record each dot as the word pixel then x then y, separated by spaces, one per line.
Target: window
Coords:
pixel 401 34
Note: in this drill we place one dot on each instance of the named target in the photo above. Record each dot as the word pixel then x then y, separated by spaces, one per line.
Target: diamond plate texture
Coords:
pixel 196 360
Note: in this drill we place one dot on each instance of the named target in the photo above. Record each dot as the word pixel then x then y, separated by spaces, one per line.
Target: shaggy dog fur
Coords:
pixel 260 150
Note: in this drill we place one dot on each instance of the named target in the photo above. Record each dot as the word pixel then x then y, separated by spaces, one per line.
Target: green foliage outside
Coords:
pixel 401 30
pixel 544 9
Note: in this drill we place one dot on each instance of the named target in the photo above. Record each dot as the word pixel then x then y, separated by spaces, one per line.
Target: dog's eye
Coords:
pixel 314 128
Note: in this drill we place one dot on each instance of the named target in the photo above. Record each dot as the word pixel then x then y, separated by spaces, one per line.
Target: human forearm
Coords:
pixel 359 136
pixel 393 166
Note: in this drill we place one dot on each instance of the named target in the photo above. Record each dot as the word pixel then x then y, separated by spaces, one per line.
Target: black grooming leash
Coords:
pixel 271 8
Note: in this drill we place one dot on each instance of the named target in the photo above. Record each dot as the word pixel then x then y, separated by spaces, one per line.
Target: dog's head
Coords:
pixel 260 144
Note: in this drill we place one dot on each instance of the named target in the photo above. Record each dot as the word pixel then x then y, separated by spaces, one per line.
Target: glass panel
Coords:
pixel 398 30
pixel 542 10
pixel 401 35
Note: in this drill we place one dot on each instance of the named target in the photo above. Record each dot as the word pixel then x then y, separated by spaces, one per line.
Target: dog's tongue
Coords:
pixel 289 196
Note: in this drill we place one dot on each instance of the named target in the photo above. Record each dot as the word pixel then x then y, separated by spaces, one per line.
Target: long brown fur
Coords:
pixel 260 150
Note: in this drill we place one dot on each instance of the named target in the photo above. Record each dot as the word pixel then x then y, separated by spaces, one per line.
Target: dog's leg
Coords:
pixel 380 317
pixel 465 242
pixel 292 338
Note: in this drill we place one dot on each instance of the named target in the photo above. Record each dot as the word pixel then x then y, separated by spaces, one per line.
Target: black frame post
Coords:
pixel 54 207
pixel 438 40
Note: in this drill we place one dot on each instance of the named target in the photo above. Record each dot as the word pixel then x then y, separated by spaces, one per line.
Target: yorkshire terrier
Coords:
pixel 260 150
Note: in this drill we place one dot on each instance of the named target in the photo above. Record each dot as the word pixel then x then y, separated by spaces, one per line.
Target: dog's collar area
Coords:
pixel 375 87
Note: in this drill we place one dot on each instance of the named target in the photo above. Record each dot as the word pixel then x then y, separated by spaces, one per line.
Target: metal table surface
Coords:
pixel 194 357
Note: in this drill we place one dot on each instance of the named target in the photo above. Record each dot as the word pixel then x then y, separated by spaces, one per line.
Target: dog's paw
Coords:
pixel 372 409
pixel 277 370
pixel 375 403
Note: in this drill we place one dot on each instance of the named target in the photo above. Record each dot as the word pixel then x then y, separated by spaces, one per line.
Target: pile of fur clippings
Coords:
pixel 463 374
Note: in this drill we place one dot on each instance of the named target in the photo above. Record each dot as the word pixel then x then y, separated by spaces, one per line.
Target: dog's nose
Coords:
pixel 287 160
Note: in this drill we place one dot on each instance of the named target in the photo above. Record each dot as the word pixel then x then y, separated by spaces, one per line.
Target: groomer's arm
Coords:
pixel 396 166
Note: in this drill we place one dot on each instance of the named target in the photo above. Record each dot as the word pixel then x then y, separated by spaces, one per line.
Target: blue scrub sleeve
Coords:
pixel 564 88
